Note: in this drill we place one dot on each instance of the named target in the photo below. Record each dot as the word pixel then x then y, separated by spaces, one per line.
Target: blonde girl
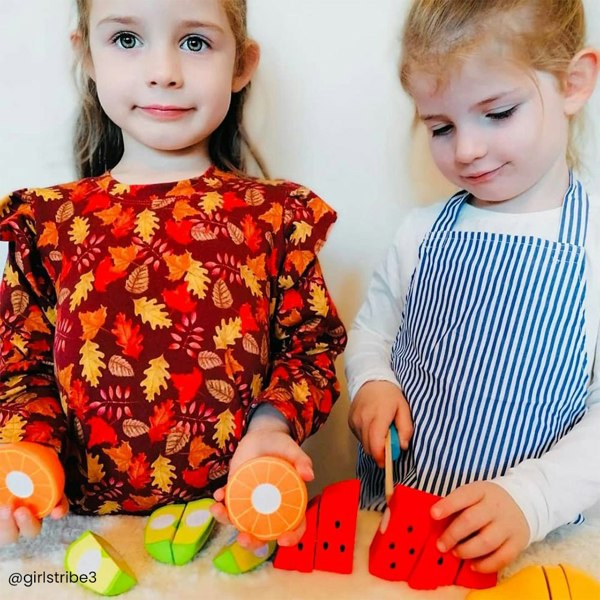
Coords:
pixel 479 337
pixel 164 318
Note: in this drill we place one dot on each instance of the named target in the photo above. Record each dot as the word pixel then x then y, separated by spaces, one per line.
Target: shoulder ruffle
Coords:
pixel 307 219
pixel 20 210
pixel 16 217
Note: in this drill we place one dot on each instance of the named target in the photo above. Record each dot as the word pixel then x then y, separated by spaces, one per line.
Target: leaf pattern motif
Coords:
pixel 138 281
pixel 120 367
pixel 221 295
pixel 20 301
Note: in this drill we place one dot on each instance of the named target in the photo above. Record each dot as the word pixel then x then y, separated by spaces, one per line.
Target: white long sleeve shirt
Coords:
pixel 553 489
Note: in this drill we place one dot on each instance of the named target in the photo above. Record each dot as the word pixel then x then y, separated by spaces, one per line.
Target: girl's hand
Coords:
pixel 21 522
pixel 375 407
pixel 489 525
pixel 266 437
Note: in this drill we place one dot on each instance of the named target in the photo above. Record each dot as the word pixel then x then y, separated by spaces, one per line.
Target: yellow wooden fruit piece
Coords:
pixel 555 582
pixel 527 584
pixel 581 585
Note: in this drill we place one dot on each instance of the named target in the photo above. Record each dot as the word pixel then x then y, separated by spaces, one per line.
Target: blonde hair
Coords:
pixel 98 142
pixel 542 35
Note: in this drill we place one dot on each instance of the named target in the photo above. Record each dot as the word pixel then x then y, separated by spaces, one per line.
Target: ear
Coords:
pixel 580 79
pixel 83 54
pixel 247 68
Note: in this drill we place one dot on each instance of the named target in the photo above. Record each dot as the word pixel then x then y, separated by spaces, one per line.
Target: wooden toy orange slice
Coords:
pixel 30 475
pixel 266 497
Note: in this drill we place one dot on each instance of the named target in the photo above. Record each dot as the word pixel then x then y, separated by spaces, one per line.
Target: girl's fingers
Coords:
pixel 365 441
pixel 303 465
pixel 28 525
pixel 467 523
pixel 404 425
pixel 290 451
pixel 497 560
pixel 249 542
pixel 459 499
pixel 219 512
pixel 61 509
pixel 291 538
pixel 305 470
pixel 377 432
pixel 354 424
pixel 9 532
pixel 219 494
pixel 487 540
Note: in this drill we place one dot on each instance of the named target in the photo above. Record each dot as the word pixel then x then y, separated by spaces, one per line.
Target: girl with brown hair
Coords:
pixel 164 318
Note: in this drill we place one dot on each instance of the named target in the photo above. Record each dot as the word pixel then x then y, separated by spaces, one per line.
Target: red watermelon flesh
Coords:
pixel 336 529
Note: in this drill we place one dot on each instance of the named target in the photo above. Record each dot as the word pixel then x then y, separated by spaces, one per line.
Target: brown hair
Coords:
pixel 98 142
pixel 543 35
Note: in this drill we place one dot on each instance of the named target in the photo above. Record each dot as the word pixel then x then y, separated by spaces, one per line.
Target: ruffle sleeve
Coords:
pixel 30 408
pixel 307 333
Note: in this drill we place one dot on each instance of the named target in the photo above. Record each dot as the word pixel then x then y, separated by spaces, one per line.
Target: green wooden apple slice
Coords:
pixel 98 565
pixel 193 530
pixel 160 530
pixel 234 559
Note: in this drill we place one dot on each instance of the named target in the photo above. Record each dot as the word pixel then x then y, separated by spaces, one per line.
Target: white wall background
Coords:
pixel 326 110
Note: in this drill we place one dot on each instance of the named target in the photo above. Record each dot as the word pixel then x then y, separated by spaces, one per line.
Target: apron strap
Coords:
pixel 574 214
pixel 450 212
pixel 573 218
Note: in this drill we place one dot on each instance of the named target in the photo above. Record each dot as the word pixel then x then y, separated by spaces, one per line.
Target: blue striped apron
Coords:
pixel 490 353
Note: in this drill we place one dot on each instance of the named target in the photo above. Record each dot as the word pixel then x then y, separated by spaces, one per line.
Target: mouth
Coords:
pixel 482 176
pixel 164 111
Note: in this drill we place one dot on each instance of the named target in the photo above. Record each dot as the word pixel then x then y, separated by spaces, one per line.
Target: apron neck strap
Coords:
pixel 573 217
pixel 450 212
pixel 574 214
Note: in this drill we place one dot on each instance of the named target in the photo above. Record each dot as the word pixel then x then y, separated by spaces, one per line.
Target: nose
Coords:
pixel 163 68
pixel 469 145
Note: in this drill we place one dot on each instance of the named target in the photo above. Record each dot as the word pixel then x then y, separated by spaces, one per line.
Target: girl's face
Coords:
pixel 496 131
pixel 164 70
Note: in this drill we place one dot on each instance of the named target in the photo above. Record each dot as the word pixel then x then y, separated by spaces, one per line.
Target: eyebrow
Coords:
pixel 201 25
pixel 480 104
pixel 112 19
pixel 191 23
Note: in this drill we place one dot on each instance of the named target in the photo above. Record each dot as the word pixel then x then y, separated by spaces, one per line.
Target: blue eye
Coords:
pixel 441 131
pixel 505 114
pixel 194 43
pixel 125 40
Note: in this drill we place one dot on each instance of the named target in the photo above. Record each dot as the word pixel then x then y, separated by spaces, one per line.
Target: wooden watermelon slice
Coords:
pixel 336 529
pixel 406 550
pixel 433 567
pixel 395 551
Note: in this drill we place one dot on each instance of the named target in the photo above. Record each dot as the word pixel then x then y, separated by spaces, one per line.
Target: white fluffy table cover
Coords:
pixel 575 545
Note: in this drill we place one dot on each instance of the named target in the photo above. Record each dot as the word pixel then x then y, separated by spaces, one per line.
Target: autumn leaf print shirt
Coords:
pixel 141 325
